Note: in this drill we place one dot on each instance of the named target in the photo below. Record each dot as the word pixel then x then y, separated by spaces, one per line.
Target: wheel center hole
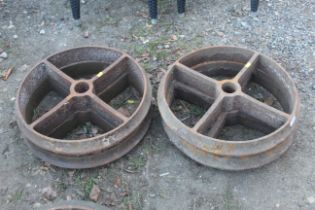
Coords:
pixel 229 87
pixel 81 87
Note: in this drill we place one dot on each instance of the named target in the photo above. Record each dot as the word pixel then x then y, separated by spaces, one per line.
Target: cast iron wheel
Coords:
pixel 216 80
pixel 84 107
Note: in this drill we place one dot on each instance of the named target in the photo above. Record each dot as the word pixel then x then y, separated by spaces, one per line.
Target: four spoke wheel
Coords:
pixel 86 80
pixel 216 79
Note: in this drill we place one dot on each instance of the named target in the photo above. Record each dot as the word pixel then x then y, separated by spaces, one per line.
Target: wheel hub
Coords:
pixel 217 80
pixel 65 107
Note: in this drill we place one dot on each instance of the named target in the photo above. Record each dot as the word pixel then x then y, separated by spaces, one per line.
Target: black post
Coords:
pixel 254 5
pixel 181 5
pixel 75 7
pixel 153 10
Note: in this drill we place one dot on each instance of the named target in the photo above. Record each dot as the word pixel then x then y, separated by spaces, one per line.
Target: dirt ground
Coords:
pixel 156 175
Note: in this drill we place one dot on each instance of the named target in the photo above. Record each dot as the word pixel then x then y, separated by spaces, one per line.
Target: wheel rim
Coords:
pixel 87 79
pixel 189 79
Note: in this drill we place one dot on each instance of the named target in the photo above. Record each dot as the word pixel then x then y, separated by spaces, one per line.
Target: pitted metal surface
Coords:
pixel 216 78
pixel 86 80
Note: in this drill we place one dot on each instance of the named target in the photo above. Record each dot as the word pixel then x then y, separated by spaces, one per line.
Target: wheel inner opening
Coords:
pixel 220 70
pixel 81 87
pixel 229 87
pixel 43 99
pixel 187 112
pixel 242 127
pixel 84 70
pixel 187 107
pixel 76 126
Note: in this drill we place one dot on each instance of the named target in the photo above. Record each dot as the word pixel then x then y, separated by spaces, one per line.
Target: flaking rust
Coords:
pixel 191 78
pixel 86 80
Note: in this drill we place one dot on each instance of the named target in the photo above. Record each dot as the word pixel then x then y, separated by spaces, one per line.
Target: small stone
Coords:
pixel 49 193
pixel 220 33
pixel 174 37
pixel 24 67
pixel 15 36
pixel 36 205
pixel 4 55
pixel 277 205
pixel 245 25
pixel 11 25
pixel 1 50
pixel 313 87
pixel 71 173
pixel 94 131
pixel 167 46
pixel 86 34
pixel 95 193
pixel 311 199
pixel 42 31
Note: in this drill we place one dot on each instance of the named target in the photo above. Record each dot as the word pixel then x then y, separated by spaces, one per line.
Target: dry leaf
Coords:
pixel 131 101
pixel 268 101
pixel 95 193
pixel 6 74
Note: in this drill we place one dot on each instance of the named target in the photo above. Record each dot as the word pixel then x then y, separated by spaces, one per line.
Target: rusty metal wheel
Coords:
pixel 214 86
pixel 73 205
pixel 84 107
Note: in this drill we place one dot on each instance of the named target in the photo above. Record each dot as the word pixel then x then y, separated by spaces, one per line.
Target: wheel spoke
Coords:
pixel 196 80
pixel 261 112
pixel 111 72
pixel 192 95
pixel 112 80
pixel 217 125
pixel 55 118
pixel 106 113
pixel 59 80
pixel 210 117
pixel 246 72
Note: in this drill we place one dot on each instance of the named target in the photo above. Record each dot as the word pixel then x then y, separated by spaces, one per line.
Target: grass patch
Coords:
pixel 134 202
pixel 137 163
pixel 229 202
pixel 17 196
pixel 88 185
pixel 85 181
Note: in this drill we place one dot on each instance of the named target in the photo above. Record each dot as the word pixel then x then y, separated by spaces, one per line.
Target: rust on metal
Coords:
pixel 216 78
pixel 83 83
